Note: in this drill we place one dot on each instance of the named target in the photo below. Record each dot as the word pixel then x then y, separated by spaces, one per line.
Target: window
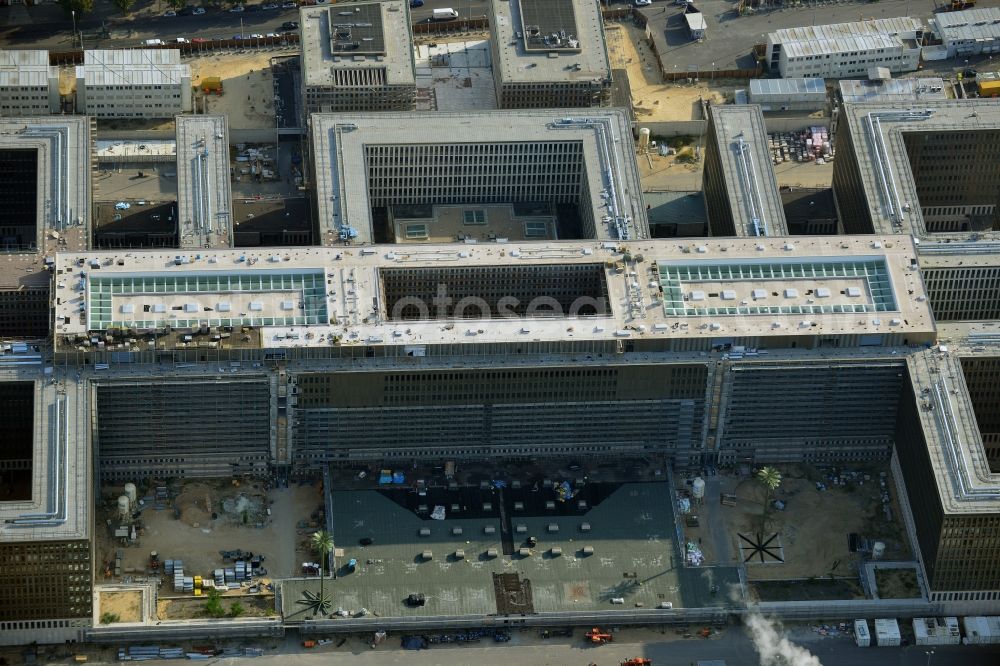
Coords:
pixel 414 231
pixel 474 217
pixel 536 230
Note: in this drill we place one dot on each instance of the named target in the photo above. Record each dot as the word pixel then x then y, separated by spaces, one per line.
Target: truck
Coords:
pixel 445 14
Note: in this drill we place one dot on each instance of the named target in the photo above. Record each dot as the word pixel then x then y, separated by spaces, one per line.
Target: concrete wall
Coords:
pixel 672 128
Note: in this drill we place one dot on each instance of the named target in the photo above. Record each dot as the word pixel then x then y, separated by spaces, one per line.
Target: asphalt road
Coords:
pixel 46 26
pixel 733 645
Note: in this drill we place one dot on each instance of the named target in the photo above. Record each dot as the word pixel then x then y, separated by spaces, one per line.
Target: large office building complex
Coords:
pixel 476 177
pixel 29 86
pixel 549 54
pixel 845 50
pixel 133 83
pixel 357 56
pixel 485 289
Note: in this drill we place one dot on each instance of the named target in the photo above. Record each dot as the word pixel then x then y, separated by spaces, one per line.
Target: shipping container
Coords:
pixel 936 631
pixel 989 88
pixel 887 632
pixel 861 635
pixel 982 630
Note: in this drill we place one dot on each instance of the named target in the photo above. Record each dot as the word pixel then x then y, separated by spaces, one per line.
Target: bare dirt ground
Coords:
pixel 897 583
pixel 196 537
pixel 248 85
pixel 652 98
pixel 668 173
pixel 814 525
pixel 188 607
pixel 127 605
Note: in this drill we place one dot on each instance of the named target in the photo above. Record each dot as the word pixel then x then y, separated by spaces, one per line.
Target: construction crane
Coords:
pixel 598 637
pixel 638 661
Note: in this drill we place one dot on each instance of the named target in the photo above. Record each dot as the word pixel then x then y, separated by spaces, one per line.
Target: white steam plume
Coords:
pixel 775 649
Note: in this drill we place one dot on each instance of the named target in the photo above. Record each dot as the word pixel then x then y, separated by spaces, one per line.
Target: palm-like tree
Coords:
pixel 770 478
pixel 322 545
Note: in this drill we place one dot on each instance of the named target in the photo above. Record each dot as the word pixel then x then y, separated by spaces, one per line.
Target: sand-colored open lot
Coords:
pixel 814 526
pixel 127 605
pixel 248 85
pixel 653 99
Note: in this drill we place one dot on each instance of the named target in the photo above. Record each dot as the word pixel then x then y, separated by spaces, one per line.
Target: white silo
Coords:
pixel 131 493
pixel 698 488
pixel 644 138
pixel 124 507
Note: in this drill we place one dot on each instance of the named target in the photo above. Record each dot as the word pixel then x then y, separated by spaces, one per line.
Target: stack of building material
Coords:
pixel 179 576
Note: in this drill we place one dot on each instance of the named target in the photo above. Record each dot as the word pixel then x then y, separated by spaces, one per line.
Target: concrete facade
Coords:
pixel 367 162
pixel 344 68
pixel 549 55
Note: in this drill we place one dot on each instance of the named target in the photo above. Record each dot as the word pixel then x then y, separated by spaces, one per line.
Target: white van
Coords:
pixel 445 14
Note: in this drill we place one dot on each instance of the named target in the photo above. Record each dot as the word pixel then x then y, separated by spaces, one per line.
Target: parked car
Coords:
pixel 253 8
pixel 289 5
pixel 198 11
pixel 416 3
pixel 271 5
pixel 200 40
pixel 643 3
pixel 256 35
pixel 289 25
pixel 273 34
pixel 237 9
pixel 170 13
pixel 183 40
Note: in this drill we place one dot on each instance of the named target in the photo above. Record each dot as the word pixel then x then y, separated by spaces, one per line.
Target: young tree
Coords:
pixel 125 6
pixel 81 7
pixel 213 606
pixel 770 478
pixel 322 544
pixel 236 609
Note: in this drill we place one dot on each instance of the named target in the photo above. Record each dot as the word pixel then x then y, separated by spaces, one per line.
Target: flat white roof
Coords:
pixel 59 508
pixel 319 62
pixel 876 132
pixel 969 25
pixel 204 188
pixel 132 67
pixel 28 67
pixel 891 299
pixel 520 64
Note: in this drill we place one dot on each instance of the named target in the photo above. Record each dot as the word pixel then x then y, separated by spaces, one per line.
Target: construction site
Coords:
pixel 191 538
pixel 730 518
